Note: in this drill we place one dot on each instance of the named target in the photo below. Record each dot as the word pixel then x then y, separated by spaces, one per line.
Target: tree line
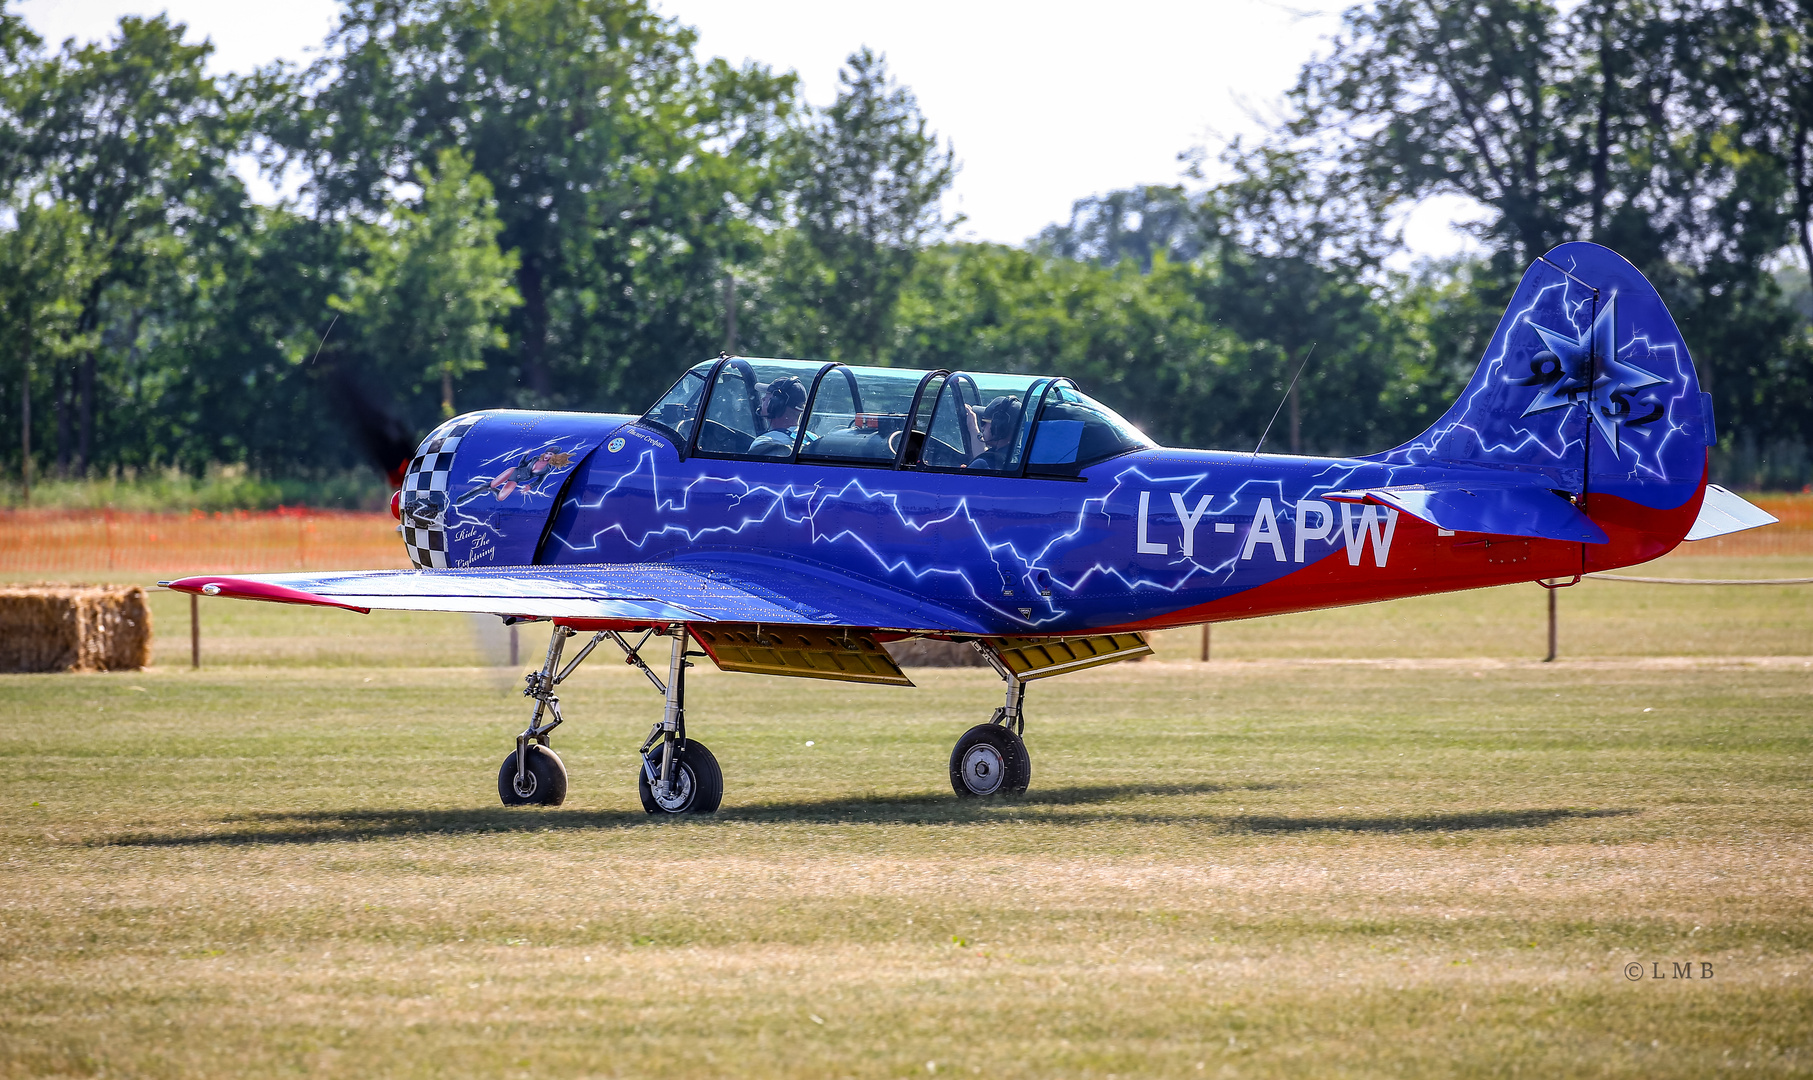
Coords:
pixel 559 204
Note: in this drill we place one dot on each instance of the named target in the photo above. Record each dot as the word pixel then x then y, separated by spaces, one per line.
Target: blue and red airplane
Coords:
pixel 790 517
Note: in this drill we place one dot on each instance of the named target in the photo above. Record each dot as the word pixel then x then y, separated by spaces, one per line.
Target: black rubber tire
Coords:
pixel 999 756
pixel 547 776
pixel 696 775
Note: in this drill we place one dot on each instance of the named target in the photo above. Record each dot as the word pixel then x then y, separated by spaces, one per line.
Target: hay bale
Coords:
pixel 74 628
pixel 929 652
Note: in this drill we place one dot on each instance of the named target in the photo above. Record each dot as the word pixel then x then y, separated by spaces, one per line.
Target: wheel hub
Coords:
pixel 679 790
pixel 524 785
pixel 983 770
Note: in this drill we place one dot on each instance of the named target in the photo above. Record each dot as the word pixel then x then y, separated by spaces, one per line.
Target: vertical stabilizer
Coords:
pixel 1586 380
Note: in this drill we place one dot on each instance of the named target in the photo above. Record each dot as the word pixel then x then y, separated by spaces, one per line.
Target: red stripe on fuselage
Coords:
pixel 1422 562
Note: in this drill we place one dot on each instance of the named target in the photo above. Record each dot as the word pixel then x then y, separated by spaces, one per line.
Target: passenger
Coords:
pixel 779 408
pixel 993 428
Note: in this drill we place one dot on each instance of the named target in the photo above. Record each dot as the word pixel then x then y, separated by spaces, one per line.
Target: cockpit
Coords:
pixel 748 408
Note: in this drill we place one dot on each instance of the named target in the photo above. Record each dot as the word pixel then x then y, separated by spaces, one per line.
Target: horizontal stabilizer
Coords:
pixel 1723 513
pixel 1496 506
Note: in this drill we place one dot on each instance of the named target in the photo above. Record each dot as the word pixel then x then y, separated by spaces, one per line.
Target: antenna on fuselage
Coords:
pixel 1285 398
pixel 323 341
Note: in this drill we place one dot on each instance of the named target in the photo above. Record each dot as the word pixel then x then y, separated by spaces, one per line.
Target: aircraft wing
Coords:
pixel 1501 506
pixel 707 590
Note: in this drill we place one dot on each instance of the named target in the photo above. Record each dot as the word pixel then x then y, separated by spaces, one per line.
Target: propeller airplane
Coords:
pixel 790 517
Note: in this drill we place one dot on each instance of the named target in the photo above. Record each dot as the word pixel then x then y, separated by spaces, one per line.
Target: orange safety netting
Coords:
pixel 234 541
pixel 1793 535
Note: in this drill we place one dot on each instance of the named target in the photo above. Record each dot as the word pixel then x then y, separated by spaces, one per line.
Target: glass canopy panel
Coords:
pixel 860 414
pixel 949 444
pixel 1073 431
pixel 834 404
pixel 754 407
pixel 979 422
pixel 678 410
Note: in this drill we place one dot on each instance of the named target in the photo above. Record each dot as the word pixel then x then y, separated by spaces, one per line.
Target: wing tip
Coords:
pixel 252 589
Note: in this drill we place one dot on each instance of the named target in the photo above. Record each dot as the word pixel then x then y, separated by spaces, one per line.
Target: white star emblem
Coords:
pixel 1609 396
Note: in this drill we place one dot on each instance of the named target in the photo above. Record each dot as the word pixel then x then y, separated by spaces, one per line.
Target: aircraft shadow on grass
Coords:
pixel 1056 807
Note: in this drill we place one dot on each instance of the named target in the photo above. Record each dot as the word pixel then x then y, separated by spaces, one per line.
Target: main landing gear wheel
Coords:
pixel 990 760
pixel 543 783
pixel 695 784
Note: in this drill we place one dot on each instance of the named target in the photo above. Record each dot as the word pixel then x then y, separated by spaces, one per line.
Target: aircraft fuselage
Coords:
pixel 1149 539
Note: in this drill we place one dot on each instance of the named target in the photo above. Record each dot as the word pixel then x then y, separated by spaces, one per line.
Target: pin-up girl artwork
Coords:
pixel 527 476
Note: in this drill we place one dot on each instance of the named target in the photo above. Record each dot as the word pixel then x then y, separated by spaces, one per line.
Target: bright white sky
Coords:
pixel 1045 103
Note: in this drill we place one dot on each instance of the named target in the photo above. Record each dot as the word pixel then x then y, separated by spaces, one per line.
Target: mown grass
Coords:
pixel 1257 867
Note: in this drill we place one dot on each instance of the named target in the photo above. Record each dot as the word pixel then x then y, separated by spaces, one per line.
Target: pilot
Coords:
pixel 779 407
pixel 993 427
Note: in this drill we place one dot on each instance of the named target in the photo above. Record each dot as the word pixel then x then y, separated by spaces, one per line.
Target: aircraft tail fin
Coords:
pixel 1588 382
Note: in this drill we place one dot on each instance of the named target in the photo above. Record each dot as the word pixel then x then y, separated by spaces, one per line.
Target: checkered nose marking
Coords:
pixel 425 498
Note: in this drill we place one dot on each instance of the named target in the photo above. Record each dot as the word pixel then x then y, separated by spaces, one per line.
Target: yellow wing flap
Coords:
pixel 1041 658
pixel 806 652
pixel 810 652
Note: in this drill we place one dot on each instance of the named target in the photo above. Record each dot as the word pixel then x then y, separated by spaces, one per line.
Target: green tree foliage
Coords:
pixel 866 177
pixel 251 377
pixel 1199 353
pixel 1759 61
pixel 1665 131
pixel 1140 341
pixel 1138 224
pixel 425 305
pixel 1462 97
pixel 18 47
pixel 548 203
pixel 46 271
pixel 1285 262
pixel 132 137
pixel 626 172
pixel 1750 73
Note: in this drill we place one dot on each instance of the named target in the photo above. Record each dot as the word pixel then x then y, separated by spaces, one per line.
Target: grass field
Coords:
pixel 1384 841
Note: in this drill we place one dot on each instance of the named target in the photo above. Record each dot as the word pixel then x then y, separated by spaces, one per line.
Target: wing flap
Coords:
pixel 1493 506
pixel 806 652
pixel 1041 658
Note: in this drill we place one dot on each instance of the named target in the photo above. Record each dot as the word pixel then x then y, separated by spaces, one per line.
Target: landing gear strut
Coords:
pixel 678 775
pixel 534 773
pixel 991 759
